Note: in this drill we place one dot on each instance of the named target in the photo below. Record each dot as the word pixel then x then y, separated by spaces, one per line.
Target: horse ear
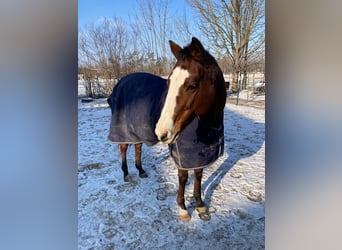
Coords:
pixel 196 48
pixel 175 48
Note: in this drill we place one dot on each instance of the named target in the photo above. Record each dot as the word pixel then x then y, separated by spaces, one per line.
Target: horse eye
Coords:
pixel 191 88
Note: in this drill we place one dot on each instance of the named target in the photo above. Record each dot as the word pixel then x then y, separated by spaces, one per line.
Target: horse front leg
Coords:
pixel 182 178
pixel 123 151
pixel 201 208
pixel 142 173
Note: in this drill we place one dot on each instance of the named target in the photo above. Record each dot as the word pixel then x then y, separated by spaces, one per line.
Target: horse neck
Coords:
pixel 214 116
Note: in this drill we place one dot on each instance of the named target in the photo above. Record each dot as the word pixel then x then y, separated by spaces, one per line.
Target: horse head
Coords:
pixel 195 88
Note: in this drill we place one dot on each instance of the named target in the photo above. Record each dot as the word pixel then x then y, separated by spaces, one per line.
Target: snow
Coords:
pixel 143 214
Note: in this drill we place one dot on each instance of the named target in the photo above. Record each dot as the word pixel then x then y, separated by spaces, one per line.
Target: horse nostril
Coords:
pixel 163 137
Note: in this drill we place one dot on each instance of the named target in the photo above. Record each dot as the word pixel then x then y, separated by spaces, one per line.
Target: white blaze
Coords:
pixel 165 123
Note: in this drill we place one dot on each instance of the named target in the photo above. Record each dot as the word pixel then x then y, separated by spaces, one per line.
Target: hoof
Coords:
pixel 143 175
pixel 128 178
pixel 203 213
pixel 184 215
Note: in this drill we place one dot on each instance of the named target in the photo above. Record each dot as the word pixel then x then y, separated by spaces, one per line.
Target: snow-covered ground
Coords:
pixel 143 214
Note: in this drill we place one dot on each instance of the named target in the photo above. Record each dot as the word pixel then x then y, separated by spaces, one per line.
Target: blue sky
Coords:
pixel 90 11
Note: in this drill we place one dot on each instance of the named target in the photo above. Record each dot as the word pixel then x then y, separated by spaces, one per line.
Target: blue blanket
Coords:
pixel 197 145
pixel 136 104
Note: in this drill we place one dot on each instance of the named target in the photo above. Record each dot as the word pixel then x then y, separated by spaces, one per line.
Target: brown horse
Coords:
pixel 196 88
pixel 186 112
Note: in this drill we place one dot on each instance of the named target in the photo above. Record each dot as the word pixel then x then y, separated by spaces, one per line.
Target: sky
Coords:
pixel 90 11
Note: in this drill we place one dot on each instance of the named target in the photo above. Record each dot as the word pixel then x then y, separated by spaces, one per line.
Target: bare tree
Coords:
pixel 151 25
pixel 181 29
pixel 236 28
pixel 104 47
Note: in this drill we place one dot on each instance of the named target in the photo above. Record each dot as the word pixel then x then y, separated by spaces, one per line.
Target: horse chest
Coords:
pixel 197 146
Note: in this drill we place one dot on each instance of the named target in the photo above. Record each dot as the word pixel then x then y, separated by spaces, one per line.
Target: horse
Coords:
pixel 185 111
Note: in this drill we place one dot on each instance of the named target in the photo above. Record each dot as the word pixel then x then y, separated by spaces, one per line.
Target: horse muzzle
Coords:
pixel 166 136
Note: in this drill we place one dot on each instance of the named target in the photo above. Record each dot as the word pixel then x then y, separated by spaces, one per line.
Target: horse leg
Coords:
pixel 142 173
pixel 123 150
pixel 200 205
pixel 182 178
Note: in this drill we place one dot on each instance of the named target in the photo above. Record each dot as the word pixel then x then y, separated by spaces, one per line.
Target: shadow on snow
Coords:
pixel 243 138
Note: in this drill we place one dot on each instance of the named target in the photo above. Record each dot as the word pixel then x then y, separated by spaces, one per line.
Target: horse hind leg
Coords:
pixel 142 173
pixel 182 178
pixel 201 208
pixel 123 151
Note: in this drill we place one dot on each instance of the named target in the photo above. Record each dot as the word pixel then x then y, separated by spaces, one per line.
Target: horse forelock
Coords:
pixel 205 59
pixel 184 54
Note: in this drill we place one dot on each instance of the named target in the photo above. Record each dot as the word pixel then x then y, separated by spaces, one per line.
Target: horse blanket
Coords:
pixel 136 103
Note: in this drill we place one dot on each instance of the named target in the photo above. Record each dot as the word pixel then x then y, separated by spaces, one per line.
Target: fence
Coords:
pixel 96 88
pixel 253 79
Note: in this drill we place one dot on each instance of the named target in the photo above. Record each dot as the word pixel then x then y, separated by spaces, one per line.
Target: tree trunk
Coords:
pixel 244 69
pixel 234 84
pixel 244 80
